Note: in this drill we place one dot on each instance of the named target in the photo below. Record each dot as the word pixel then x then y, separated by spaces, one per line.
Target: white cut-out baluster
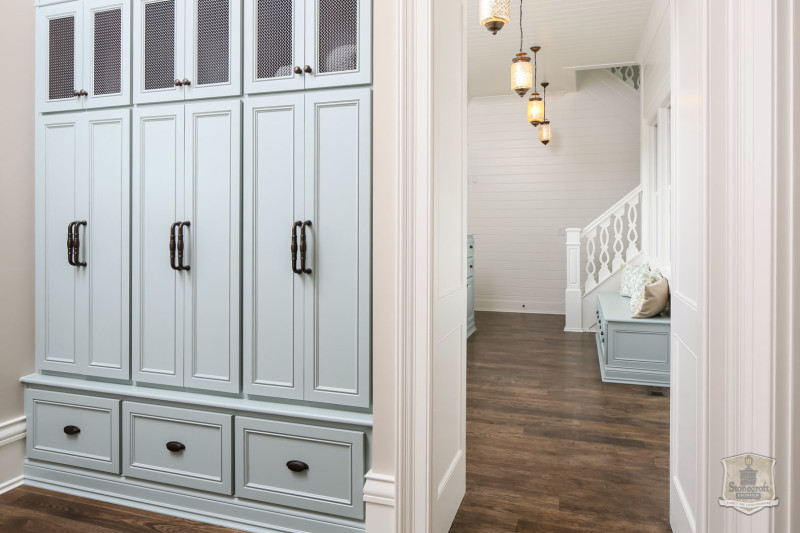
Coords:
pixel 633 228
pixel 591 267
pixel 605 256
pixel 619 229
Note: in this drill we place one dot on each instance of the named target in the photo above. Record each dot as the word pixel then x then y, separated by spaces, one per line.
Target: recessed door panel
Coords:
pixel 106 283
pixel 158 54
pixel 274 46
pixel 273 319
pixel 107 53
pixel 213 48
pixel 213 195
pixel 57 174
pixel 59 59
pixel 158 196
pixel 338 177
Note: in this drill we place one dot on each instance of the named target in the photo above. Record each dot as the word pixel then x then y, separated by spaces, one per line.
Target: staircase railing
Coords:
pixel 611 240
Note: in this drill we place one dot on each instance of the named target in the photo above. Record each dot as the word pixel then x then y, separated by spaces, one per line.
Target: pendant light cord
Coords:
pixel 520 26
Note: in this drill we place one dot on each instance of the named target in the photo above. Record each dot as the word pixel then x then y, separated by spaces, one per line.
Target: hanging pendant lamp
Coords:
pixel 545 130
pixel 494 14
pixel 521 68
pixel 535 104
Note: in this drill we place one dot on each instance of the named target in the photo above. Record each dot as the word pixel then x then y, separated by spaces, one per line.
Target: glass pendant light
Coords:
pixel 545 131
pixel 521 68
pixel 535 104
pixel 494 14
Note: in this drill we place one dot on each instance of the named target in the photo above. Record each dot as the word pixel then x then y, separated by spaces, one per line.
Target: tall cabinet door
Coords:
pixel 158 202
pixel 273 292
pixel 213 48
pixel 338 205
pixel 274 45
pixel 338 43
pixel 103 284
pixel 213 198
pixel 106 62
pixel 59 56
pixel 57 175
pixel 158 50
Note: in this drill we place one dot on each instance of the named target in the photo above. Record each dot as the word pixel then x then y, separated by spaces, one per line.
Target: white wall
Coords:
pixel 16 221
pixel 526 192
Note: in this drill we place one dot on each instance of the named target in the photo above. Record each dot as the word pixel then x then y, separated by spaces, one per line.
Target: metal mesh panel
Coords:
pixel 338 35
pixel 274 39
pixel 61 68
pixel 159 45
pixel 213 30
pixel 107 52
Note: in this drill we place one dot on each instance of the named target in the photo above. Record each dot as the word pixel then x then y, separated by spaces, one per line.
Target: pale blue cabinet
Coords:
pixel 307 247
pixel 306 44
pixel 82 228
pixel 187 193
pixel 471 285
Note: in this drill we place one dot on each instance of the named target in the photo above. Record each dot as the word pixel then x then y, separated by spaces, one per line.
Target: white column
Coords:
pixel 573 296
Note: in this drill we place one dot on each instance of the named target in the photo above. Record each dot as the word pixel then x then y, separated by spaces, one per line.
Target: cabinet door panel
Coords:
pixel 274 46
pixel 56 181
pixel 338 42
pixel 273 318
pixel 338 180
pixel 105 281
pixel 213 48
pixel 213 196
pixel 59 68
pixel 158 195
pixel 107 52
pixel 158 55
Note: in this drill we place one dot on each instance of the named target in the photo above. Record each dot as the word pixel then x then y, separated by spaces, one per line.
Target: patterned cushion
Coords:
pixel 634 277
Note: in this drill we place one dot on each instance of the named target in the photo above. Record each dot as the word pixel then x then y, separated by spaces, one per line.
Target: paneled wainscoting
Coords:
pixel 550 447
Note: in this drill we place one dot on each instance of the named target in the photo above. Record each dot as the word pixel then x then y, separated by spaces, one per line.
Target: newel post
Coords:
pixel 573 296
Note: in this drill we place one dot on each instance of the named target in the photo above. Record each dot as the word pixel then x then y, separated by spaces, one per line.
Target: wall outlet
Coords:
pixel 474 179
pixel 562 231
pixel 523 306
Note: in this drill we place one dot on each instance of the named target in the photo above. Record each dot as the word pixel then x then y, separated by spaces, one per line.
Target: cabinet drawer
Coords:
pixel 309 467
pixel 74 430
pixel 640 349
pixel 177 446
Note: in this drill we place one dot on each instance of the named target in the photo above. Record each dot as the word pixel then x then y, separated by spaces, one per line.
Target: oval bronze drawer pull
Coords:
pixel 296 466
pixel 72 430
pixel 175 446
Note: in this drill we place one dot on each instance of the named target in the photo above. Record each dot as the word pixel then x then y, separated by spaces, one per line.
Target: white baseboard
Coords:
pixel 535 307
pixel 12 430
pixel 12 484
pixel 381 499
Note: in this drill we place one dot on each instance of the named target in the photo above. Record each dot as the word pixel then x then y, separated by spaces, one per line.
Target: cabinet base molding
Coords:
pixel 224 511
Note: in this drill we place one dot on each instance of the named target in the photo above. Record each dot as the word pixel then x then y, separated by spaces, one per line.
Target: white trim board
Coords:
pixel 12 484
pixel 12 431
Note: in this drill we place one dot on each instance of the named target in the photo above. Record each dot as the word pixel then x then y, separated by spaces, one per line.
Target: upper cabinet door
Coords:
pixel 213 49
pixel 338 43
pixel 272 313
pixel 106 52
pixel 59 57
pixel 157 287
pixel 338 206
pixel 158 50
pixel 213 240
pixel 274 54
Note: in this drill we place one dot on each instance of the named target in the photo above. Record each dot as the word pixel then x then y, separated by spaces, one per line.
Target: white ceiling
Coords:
pixel 572 34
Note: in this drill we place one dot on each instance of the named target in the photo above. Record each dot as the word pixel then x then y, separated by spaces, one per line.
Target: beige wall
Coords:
pixel 16 202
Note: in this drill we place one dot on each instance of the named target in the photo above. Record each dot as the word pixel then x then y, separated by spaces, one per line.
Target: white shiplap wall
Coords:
pixel 522 193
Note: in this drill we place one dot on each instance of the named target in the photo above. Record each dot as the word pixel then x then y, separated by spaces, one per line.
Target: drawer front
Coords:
pixel 638 349
pixel 309 467
pixel 177 446
pixel 74 430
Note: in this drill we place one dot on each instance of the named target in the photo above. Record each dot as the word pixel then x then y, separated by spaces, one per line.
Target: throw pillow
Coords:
pixel 653 299
pixel 634 277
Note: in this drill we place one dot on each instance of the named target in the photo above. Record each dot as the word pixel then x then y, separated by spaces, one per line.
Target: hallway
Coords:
pixel 551 448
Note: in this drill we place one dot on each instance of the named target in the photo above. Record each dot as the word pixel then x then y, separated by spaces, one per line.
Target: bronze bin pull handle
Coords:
pixel 293 247
pixel 76 240
pixel 181 266
pixel 172 246
pixel 175 446
pixel 303 247
pixel 70 243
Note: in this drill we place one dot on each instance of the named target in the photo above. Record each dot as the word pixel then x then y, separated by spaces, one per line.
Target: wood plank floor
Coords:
pixel 550 447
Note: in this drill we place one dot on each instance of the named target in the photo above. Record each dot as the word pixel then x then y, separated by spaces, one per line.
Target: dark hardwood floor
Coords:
pixel 550 447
